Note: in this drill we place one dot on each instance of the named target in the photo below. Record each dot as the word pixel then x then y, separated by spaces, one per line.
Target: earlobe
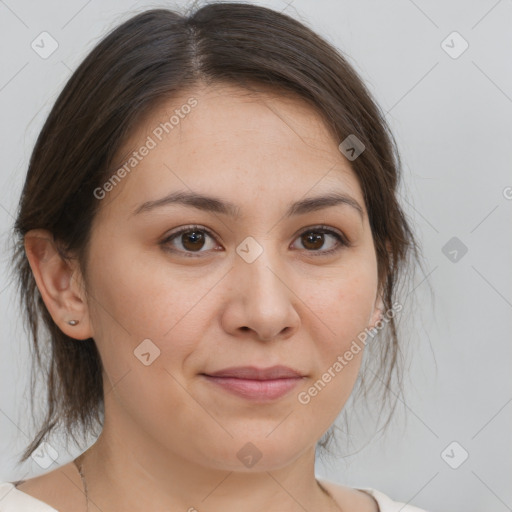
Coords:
pixel 378 311
pixel 59 289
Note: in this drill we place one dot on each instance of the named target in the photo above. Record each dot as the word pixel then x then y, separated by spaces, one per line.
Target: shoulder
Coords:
pixel 379 502
pixel 353 499
pixel 57 490
pixel 14 500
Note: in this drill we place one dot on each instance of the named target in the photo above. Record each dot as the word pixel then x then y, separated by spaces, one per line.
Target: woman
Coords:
pixel 209 231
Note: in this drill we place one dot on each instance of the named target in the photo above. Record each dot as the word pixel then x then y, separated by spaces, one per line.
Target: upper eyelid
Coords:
pixel 344 239
pixel 210 232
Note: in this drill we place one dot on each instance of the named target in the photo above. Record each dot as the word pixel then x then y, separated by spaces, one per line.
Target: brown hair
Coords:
pixel 144 61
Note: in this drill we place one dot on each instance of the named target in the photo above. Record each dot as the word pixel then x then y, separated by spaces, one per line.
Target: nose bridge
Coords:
pixel 259 263
pixel 265 300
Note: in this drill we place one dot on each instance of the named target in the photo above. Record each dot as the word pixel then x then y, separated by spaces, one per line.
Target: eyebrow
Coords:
pixel 216 205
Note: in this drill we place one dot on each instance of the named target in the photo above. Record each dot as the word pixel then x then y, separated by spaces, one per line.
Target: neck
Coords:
pixel 125 470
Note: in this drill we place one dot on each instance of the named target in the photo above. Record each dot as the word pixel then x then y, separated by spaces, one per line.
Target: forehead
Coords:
pixel 232 141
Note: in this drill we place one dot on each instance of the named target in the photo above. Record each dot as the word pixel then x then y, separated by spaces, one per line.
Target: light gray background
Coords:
pixel 452 118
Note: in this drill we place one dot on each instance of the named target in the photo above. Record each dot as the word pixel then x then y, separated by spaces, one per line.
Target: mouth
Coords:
pixel 257 384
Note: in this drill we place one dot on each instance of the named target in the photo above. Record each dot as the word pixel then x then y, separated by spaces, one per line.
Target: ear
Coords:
pixel 60 284
pixel 378 307
pixel 378 310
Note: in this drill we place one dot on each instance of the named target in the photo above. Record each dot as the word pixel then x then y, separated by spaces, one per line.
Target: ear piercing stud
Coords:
pixel 72 322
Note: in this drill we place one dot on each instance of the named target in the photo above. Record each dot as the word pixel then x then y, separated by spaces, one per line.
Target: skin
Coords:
pixel 170 438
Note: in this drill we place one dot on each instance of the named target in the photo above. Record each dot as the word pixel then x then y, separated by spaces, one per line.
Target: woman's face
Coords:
pixel 258 279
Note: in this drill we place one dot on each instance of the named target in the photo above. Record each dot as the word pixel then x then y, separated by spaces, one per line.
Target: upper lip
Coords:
pixel 253 373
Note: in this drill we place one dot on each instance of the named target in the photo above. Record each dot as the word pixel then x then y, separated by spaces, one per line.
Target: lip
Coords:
pixel 259 384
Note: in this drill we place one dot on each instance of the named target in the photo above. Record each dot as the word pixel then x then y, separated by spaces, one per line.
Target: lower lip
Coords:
pixel 255 389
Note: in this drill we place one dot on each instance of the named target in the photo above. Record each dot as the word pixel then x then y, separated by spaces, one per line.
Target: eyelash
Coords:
pixel 341 239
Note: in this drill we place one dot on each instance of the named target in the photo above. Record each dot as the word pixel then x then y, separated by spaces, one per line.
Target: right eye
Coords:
pixel 189 239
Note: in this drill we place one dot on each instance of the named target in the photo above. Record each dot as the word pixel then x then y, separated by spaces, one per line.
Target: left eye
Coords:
pixel 314 239
pixel 193 239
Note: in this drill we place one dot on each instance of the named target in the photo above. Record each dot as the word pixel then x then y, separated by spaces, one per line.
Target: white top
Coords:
pixel 14 500
pixel 386 504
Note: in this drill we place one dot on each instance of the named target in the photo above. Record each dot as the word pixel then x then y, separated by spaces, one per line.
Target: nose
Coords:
pixel 261 303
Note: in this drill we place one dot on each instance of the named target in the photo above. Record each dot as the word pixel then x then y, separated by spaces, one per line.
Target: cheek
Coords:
pixel 345 311
pixel 135 296
pixel 355 304
pixel 344 305
pixel 136 300
pixel 147 324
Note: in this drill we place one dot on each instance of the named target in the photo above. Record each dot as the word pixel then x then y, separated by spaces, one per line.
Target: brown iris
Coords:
pixel 193 240
pixel 315 239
